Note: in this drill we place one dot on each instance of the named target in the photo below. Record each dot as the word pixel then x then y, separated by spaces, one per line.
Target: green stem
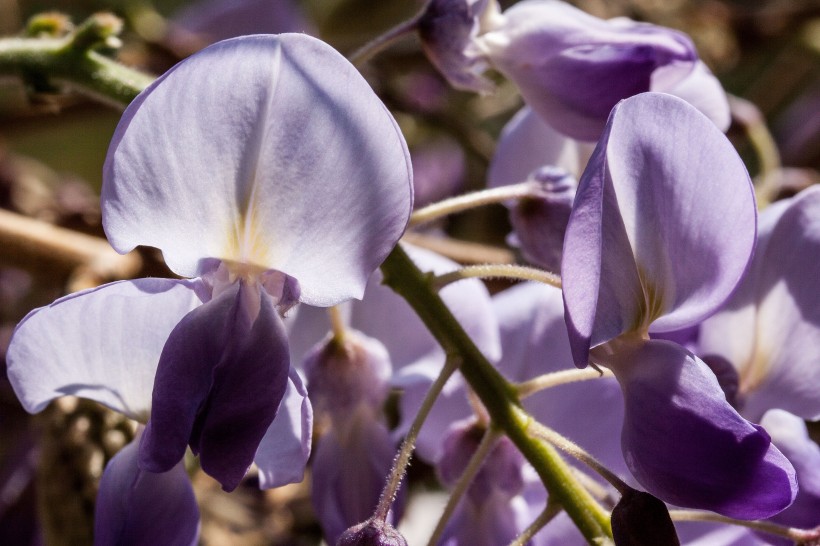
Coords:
pixel 497 395
pixel 498 271
pixel 59 62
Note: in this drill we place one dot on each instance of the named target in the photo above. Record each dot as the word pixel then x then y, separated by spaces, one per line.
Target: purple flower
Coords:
pixel 660 234
pixel 570 67
pixel 269 185
pixel 767 336
pixel 137 507
pixel 348 384
pixel 493 509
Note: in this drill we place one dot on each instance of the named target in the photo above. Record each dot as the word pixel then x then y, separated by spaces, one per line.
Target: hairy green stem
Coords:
pixel 58 62
pixel 498 396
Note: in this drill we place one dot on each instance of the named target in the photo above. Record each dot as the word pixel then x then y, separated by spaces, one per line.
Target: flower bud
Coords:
pixel 373 532
pixel 343 373
pixel 540 222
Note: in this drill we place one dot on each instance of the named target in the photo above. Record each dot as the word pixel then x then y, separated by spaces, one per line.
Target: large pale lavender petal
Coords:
pixel 685 444
pixel 219 383
pixel 285 448
pixel 287 161
pixel 102 344
pixel 140 508
pixel 663 226
pixel 572 68
pixel 771 327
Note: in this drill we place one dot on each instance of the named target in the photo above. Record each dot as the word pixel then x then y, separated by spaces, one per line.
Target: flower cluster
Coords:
pixel 673 363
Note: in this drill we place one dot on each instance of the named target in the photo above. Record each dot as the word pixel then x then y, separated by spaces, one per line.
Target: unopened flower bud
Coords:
pixel 343 373
pixel 639 519
pixel 540 222
pixel 373 532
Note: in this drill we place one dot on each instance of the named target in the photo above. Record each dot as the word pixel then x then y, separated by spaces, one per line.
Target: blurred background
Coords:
pixel 53 144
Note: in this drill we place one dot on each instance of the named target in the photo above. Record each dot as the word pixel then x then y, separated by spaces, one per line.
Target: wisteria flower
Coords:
pixel 270 185
pixel 570 67
pixel 765 341
pixel 661 233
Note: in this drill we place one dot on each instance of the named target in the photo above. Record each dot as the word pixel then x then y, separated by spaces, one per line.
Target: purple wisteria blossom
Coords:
pixel 348 383
pixel 767 336
pixel 270 185
pixel 570 67
pixel 395 350
pixel 661 232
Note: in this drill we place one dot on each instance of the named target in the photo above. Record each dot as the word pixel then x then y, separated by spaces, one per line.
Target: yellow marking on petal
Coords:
pixel 651 307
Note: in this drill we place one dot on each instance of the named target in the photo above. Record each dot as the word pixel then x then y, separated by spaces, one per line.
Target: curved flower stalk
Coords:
pixel 571 67
pixel 270 185
pixel 661 232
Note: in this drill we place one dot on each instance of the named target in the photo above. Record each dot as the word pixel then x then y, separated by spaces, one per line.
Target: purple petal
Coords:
pixel 662 228
pixel 540 221
pixel 572 68
pixel 102 344
pixel 697 86
pixel 445 30
pixel 219 383
pixel 790 435
pixel 527 143
pixel 287 161
pixel 285 448
pixel 214 20
pixel 686 444
pixel 350 467
pixel 137 507
pixel 771 327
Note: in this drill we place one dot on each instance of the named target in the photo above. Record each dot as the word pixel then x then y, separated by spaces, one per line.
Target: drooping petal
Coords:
pixel 527 143
pixel 771 327
pixel 219 384
pixel 285 448
pixel 140 508
pixel 102 344
pixel 685 444
pixel 663 224
pixel 287 161
pixel 572 68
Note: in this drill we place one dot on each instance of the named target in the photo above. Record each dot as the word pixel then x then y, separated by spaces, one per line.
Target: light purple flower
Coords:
pixel 570 67
pixel 766 337
pixel 493 509
pixel 271 185
pixel 661 232
pixel 769 331
pixel 348 385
